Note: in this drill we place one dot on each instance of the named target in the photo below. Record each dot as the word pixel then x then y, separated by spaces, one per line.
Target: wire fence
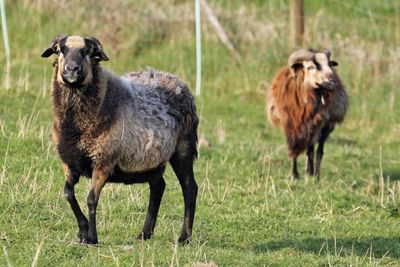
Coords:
pixel 6 43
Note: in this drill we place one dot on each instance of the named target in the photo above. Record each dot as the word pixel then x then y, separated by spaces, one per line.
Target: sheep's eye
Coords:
pixel 85 51
pixel 63 50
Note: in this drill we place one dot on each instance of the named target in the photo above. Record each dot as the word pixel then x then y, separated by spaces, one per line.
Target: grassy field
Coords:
pixel 250 212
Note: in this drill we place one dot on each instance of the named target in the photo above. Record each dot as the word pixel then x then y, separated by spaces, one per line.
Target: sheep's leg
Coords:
pixel 99 178
pixel 70 180
pixel 310 160
pixel 157 186
pixel 320 154
pixel 320 150
pixel 183 168
pixel 295 173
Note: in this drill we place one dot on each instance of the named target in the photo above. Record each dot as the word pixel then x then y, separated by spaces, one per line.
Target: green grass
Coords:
pixel 249 212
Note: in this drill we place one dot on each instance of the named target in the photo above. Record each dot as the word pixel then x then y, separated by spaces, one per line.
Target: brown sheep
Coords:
pixel 120 129
pixel 307 99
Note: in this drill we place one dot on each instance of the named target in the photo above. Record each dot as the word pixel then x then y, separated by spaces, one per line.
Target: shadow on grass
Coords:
pixel 381 246
pixel 344 141
pixel 393 174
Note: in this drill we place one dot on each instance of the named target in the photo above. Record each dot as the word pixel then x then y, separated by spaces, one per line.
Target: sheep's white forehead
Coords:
pixel 75 42
pixel 322 59
pixel 308 63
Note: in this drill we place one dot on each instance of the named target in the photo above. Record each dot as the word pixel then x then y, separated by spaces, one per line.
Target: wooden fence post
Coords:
pixel 297 21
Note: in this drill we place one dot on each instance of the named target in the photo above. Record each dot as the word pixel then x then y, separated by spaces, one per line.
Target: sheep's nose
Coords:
pixel 72 67
pixel 329 77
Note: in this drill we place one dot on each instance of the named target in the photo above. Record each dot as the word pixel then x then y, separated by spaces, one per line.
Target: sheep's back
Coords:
pixel 148 137
pixel 157 111
pixel 145 131
pixel 172 92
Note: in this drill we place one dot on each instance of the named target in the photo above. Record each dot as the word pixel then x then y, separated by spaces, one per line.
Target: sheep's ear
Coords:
pixel 333 63
pixel 53 46
pixel 97 49
pixel 48 52
pixel 295 67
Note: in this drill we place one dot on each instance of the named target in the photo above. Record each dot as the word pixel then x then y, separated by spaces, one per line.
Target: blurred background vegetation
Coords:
pixel 250 212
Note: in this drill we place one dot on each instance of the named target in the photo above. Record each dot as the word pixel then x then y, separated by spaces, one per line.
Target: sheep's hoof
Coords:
pixel 82 236
pixel 144 236
pixel 295 175
pixel 90 240
pixel 184 240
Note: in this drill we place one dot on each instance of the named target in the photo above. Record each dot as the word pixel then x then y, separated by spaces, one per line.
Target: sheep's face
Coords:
pixel 76 56
pixel 324 75
pixel 317 70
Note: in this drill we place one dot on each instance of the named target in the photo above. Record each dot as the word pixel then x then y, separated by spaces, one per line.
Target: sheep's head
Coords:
pixel 76 56
pixel 316 67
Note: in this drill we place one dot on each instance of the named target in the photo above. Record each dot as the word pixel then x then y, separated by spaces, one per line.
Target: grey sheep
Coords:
pixel 122 129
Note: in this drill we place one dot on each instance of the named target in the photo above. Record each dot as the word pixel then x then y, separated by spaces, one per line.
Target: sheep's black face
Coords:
pixel 76 56
pixel 73 58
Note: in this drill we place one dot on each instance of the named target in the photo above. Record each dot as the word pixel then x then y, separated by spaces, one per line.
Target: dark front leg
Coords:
pixel 310 160
pixel 99 178
pixel 92 202
pixel 320 154
pixel 71 180
pixel 157 187
pixel 295 173
pixel 320 150
pixel 183 168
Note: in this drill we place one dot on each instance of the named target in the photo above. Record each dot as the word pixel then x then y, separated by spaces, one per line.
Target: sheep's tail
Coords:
pixel 191 123
pixel 194 137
